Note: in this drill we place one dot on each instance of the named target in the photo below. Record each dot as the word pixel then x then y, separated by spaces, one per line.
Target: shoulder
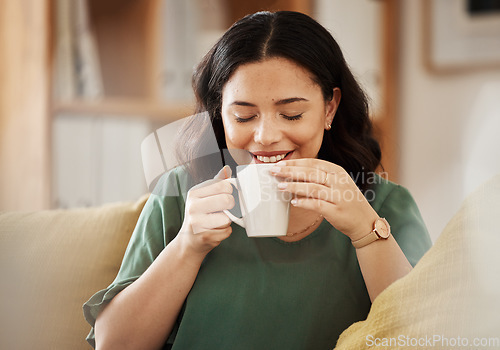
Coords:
pixel 395 203
pixel 167 199
pixel 173 183
pixel 163 213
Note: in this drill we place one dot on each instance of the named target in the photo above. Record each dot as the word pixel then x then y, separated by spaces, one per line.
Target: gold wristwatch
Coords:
pixel 381 230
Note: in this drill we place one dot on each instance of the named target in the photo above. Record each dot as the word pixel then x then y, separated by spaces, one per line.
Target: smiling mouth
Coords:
pixel 271 159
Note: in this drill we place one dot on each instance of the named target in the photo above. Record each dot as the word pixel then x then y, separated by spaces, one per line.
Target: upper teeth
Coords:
pixel 272 159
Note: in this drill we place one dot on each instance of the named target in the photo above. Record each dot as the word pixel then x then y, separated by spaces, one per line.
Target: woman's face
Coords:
pixel 274 110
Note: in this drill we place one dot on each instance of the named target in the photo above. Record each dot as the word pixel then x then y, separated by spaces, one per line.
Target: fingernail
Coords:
pixel 293 201
pixel 226 170
pixel 275 170
pixel 282 185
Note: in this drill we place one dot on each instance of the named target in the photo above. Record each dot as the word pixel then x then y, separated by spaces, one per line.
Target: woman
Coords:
pixel 275 86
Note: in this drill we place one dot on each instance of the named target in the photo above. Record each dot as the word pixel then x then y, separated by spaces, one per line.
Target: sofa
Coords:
pixel 52 261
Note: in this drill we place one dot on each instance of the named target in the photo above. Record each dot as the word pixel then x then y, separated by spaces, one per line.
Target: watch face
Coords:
pixel 382 228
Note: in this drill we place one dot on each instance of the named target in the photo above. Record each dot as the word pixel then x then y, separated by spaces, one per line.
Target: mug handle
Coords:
pixel 233 218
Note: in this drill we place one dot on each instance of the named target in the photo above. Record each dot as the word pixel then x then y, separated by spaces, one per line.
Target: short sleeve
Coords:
pixel 158 224
pixel 398 207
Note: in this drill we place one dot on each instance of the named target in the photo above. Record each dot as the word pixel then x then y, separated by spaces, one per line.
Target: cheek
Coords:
pixel 299 137
pixel 309 137
pixel 310 131
pixel 310 142
pixel 235 136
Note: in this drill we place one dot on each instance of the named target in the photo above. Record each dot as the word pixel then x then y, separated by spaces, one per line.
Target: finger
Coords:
pixel 224 173
pixel 211 204
pixel 302 174
pixel 311 190
pixel 210 188
pixel 217 221
pixel 311 163
pixel 318 205
pixel 210 222
pixel 218 235
pixel 224 226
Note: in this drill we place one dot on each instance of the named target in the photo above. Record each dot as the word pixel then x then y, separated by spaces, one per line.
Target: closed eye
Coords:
pixel 292 117
pixel 245 119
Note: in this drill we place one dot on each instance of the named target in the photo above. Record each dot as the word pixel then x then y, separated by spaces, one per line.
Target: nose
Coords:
pixel 267 131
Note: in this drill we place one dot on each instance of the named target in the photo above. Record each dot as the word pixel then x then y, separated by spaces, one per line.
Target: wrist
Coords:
pixel 381 231
pixel 187 251
pixel 364 228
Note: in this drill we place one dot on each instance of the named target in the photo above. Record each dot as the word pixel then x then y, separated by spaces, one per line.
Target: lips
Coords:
pixel 270 157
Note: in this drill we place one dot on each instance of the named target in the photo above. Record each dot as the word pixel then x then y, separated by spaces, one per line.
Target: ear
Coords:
pixel 331 108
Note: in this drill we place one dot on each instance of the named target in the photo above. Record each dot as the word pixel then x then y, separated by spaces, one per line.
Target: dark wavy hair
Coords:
pixel 295 36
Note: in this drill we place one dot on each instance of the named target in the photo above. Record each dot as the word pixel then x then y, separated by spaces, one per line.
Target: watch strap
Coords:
pixel 364 241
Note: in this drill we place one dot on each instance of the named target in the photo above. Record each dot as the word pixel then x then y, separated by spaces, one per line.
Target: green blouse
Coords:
pixel 263 293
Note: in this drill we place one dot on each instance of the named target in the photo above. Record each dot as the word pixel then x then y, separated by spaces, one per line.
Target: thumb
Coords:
pixel 224 173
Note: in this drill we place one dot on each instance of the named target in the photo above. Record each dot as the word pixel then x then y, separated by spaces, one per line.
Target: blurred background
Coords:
pixel 84 82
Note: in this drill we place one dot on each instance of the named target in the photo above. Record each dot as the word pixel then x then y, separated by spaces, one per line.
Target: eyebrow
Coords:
pixel 278 103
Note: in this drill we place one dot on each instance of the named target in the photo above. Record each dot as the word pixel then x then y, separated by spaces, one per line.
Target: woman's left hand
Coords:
pixel 329 190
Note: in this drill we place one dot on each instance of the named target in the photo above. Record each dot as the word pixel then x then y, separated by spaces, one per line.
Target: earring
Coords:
pixel 328 126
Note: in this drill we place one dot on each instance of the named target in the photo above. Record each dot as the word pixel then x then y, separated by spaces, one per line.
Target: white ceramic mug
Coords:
pixel 265 209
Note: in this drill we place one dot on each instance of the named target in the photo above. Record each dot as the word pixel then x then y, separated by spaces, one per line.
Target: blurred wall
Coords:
pixel 24 109
pixel 356 25
pixel 449 126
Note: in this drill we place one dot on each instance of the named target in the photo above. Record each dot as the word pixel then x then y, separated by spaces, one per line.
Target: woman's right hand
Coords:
pixel 205 225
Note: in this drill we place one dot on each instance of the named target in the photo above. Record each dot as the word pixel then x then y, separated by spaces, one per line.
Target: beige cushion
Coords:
pixel 452 292
pixel 51 262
